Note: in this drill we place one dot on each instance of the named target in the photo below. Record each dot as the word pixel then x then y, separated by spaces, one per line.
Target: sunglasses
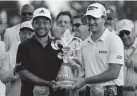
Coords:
pixel 121 34
pixel 26 13
pixel 77 25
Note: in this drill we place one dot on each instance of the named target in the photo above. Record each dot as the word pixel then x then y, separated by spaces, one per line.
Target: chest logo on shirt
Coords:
pixel 103 51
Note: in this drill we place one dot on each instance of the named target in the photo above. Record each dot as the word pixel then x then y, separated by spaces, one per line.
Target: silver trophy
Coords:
pixel 67 72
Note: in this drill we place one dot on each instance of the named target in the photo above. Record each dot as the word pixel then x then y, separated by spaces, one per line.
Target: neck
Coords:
pixel 97 35
pixel 43 40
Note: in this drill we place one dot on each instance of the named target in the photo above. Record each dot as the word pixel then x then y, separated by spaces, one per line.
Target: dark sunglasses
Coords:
pixel 121 34
pixel 77 25
pixel 26 13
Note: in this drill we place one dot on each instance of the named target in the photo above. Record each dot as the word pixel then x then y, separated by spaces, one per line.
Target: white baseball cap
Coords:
pixel 41 12
pixel 26 24
pixel 125 24
pixel 96 10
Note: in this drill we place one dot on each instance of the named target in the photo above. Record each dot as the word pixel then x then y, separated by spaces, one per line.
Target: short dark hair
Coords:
pixel 65 13
pixel 78 16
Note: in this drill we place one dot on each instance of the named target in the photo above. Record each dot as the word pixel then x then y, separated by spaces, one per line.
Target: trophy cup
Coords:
pixel 67 73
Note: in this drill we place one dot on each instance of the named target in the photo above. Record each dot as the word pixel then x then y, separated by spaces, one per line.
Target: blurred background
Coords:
pixel 9 10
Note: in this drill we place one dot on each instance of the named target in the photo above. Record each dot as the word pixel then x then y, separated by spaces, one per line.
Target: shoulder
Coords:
pixel 113 37
pixel 12 29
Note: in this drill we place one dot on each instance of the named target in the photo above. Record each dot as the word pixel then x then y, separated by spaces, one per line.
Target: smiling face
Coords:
pixel 41 26
pixel 95 24
pixel 127 37
pixel 64 21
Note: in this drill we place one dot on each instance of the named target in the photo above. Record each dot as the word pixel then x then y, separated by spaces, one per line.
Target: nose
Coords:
pixel 41 25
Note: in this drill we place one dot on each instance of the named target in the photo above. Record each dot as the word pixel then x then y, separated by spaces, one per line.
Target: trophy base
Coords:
pixel 65 83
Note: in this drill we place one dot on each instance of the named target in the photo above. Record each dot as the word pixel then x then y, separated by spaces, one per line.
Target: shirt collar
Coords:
pixel 104 35
pixel 36 41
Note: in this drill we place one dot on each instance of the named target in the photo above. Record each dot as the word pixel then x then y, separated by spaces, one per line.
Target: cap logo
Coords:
pixel 92 7
pixel 42 11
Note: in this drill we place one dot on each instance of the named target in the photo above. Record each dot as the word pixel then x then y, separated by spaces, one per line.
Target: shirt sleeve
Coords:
pixel 116 52
pixel 22 58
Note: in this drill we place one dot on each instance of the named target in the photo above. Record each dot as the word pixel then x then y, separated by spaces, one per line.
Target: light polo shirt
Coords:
pixel 130 73
pixel 97 56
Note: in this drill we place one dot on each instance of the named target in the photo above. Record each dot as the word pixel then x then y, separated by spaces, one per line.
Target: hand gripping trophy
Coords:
pixel 69 69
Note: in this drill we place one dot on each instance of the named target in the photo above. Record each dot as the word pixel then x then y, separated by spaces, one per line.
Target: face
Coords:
pixel 41 26
pixel 25 34
pixel 27 13
pixel 110 23
pixel 64 21
pixel 127 37
pixel 80 30
pixel 95 24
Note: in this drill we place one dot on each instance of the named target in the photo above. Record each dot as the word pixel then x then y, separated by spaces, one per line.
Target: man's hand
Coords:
pixel 128 62
pixel 80 82
pixel 52 84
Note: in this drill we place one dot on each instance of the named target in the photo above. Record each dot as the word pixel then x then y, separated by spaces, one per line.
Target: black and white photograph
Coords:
pixel 68 48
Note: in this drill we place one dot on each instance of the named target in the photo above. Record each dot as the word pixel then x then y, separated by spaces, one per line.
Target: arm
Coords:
pixel 111 74
pixel 25 74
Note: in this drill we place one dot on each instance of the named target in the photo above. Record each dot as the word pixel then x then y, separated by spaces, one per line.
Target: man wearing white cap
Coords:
pixel 39 63
pixel 126 32
pixel 7 76
pixel 103 56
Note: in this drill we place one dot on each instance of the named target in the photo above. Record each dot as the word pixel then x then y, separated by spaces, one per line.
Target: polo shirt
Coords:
pixel 41 61
pixel 97 56
pixel 130 73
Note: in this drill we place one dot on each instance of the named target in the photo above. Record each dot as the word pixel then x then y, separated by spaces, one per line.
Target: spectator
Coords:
pixel 12 34
pixel 81 30
pixel 39 61
pixel 127 34
pixel 111 20
pixel 103 57
pixel 2 62
pixel 26 31
pixel 63 21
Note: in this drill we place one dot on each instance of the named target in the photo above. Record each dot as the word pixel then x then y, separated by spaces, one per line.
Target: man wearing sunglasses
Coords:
pixel 12 33
pixel 127 34
pixel 102 57
pixel 80 28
